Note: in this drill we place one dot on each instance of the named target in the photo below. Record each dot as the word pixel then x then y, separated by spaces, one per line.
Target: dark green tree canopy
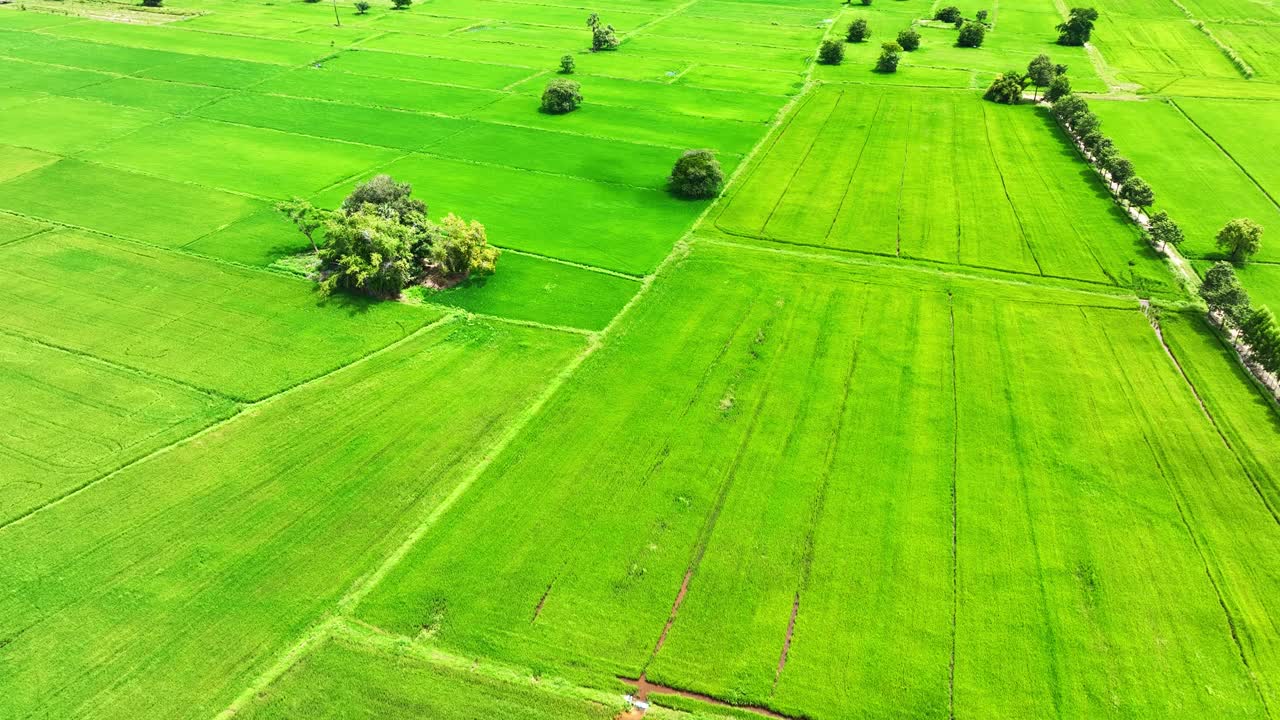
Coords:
pixel 1137 192
pixel 909 39
pixel 561 96
pixel 858 31
pixel 1240 239
pixel 696 175
pixel 1007 88
pixel 1120 170
pixel 1223 293
pixel 971 35
pixel 948 14
pixel 603 36
pixel 890 54
pixel 567 65
pixel 1059 87
pixel 1163 230
pixel 1078 27
pixel 1262 335
pixel 831 52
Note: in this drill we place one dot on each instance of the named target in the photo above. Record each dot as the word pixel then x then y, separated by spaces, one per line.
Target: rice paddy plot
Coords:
pixel 630 124
pixel 15 161
pixel 217 554
pixel 612 161
pixel 938 175
pixel 19 75
pixel 337 121
pixel 1227 10
pixel 268 163
pixel 1180 162
pixel 71 419
pixel 212 71
pixel 233 331
pixel 346 675
pixel 42 125
pixel 1243 129
pixel 428 69
pixel 93 196
pixel 34 47
pixel 674 99
pixel 319 84
pixel 717 77
pixel 13 228
pixel 620 228
pixel 541 290
pixel 169 97
pixel 193 42
pixel 1155 52
pixel 1255 43
pixel 259 239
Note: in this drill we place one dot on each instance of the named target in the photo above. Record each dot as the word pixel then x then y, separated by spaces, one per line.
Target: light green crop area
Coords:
pixel 908 421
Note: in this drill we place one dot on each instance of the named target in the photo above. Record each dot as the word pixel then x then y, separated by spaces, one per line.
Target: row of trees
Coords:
pixel 380 242
pixel 1255 328
pixel 1073 113
pixel 1008 87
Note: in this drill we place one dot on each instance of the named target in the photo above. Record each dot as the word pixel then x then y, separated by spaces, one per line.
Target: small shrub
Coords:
pixel 362 7
pixel 982 16
pixel 866 2
pixel 831 53
pixel 909 39
pixel 890 53
pixel 696 175
pixel 561 96
pixel 567 65
pixel 858 31
pixel 948 14
pixel 401 4
pixel 971 35
pixel 959 23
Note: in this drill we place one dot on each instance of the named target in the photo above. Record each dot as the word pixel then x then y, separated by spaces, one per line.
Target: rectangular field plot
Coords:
pixel 237 332
pixel 43 124
pixel 253 160
pixel 938 175
pixel 15 161
pixel 428 69
pixel 71 419
pixel 210 559
pixel 586 215
pixel 1195 181
pixel 390 93
pixel 170 37
pixel 1246 131
pixel 123 203
pixel 170 97
pixel 346 674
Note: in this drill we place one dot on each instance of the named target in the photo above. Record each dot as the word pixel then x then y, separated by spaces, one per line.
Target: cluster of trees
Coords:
pixel 1078 27
pixel 832 52
pixel 1073 113
pixel 380 242
pixel 1255 327
pixel 602 35
pixel 1041 73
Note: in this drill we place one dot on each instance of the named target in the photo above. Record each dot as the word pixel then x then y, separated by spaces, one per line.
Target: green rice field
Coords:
pixel 906 419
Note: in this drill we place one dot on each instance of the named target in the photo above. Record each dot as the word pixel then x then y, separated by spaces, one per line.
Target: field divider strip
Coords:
pixel 244 409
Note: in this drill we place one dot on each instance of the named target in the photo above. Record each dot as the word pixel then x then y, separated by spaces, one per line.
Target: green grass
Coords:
pixel 15 161
pixel 938 175
pixel 540 290
pixel 1183 164
pixel 123 203
pixel 13 227
pixel 73 419
pixel 440 70
pixel 169 97
pixel 41 125
pixel 375 682
pixel 214 556
pixel 610 226
pixel 216 154
pixel 1233 125
pixel 324 84
pixel 233 331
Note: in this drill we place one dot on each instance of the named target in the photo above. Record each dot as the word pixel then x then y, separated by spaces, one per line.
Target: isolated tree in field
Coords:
pixel 1040 71
pixel 401 4
pixel 1240 239
pixel 561 96
pixel 1223 292
pixel 1078 27
pixel 971 35
pixel 1060 86
pixel 567 65
pixel 948 14
pixel 1120 169
pixel 981 15
pixel 1162 231
pixel 362 7
pixel 306 217
pixel 909 39
pixel 1006 89
pixel 367 253
pixel 602 36
pixel 890 54
pixel 696 175
pixel 858 31
pixel 831 52
pixel 388 198
pixel 160 3
pixel 1137 192
pixel 1262 335
pixel 866 2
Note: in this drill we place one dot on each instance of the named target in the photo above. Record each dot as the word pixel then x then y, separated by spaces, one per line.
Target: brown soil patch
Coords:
pixel 645 689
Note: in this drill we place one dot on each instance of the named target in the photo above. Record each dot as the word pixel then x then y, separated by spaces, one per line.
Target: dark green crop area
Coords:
pixel 907 419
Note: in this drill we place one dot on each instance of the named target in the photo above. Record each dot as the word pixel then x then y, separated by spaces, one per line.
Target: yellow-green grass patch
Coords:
pixel 15 161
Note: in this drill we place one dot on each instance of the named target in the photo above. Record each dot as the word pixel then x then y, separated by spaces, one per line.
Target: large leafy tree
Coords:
pixel 1040 72
pixel 1240 239
pixel 696 175
pixel 603 36
pixel 367 252
pixel 1078 27
pixel 1137 192
pixel 890 53
pixel 1262 335
pixel 1223 292
pixel 971 35
pixel 1164 231
pixel 1007 88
